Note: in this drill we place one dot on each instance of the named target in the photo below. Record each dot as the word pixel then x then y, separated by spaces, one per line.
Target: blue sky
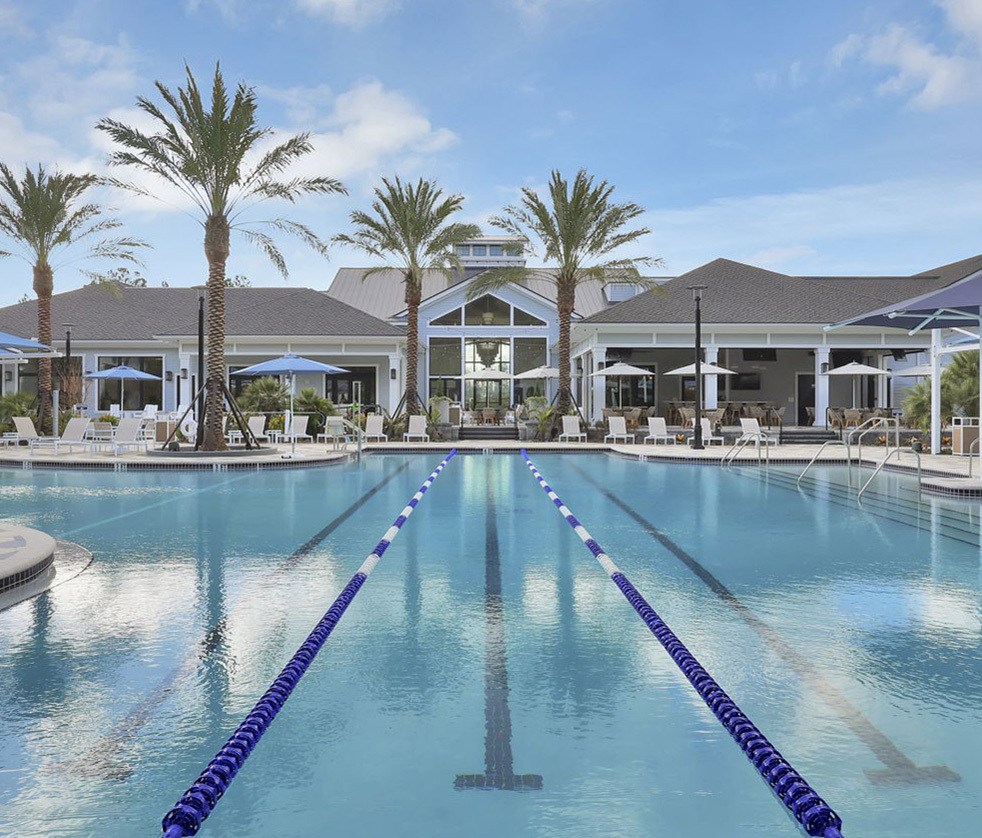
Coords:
pixel 810 138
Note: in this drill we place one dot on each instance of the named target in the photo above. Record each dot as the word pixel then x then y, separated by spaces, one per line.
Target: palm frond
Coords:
pixel 266 244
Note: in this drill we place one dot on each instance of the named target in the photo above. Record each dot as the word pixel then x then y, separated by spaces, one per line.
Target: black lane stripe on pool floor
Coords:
pixel 101 759
pixel 499 772
pixel 900 769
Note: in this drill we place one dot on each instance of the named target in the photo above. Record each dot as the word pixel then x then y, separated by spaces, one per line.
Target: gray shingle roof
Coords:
pixel 955 270
pixel 382 294
pixel 124 313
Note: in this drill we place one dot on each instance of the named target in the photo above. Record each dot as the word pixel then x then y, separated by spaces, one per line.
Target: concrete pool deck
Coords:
pixel 942 472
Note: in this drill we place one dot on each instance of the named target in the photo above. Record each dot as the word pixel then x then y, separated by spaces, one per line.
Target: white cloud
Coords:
pixel 12 22
pixel 22 147
pixel 931 77
pixel 824 230
pixel 538 10
pixel 354 13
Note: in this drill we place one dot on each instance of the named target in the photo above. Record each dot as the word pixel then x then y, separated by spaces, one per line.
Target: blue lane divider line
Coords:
pixel 197 803
pixel 803 802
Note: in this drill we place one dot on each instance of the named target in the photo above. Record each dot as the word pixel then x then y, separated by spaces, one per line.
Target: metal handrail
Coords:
pixel 973 447
pixel 730 456
pixel 877 423
pixel 879 468
pixel 819 453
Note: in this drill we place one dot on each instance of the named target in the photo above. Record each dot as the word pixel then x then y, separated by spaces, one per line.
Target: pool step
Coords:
pixel 488 432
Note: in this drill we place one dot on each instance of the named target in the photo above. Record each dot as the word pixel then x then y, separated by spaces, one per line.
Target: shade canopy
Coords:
pixel 704 369
pixel 289 364
pixel 488 374
pixel 8 341
pixel 123 373
pixel 855 368
pixel 537 373
pixel 621 369
pixel 7 356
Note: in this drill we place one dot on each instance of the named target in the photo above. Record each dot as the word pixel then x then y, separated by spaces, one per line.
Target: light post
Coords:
pixel 67 374
pixel 697 430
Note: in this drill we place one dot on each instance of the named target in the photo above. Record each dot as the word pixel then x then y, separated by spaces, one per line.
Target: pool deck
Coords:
pixel 943 472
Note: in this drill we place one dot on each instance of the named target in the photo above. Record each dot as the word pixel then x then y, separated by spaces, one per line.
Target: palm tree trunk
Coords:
pixel 566 300
pixel 43 287
pixel 217 250
pixel 413 299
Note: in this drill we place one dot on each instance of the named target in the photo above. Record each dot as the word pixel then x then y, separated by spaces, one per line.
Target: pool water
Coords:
pixel 488 636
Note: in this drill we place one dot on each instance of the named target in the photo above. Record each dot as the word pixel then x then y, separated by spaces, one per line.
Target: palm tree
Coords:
pixel 959 392
pixel 576 228
pixel 213 156
pixel 410 223
pixel 43 214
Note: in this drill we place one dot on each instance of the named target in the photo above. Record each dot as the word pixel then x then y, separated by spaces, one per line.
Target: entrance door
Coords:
pixel 805 396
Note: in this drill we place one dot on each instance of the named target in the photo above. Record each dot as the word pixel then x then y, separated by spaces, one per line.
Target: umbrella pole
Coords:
pixel 293 424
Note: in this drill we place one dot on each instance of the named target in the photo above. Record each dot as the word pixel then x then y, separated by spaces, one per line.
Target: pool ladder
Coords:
pixel 761 440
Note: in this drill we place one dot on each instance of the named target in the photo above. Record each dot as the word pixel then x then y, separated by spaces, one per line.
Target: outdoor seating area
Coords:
pixel 726 412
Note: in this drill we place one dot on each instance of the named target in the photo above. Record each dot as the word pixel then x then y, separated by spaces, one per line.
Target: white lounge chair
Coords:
pixel 373 428
pixel 25 430
pixel 707 433
pixel 416 429
pixel 571 430
pixel 617 425
pixel 298 430
pixel 72 437
pixel 334 430
pixel 257 427
pixel 129 434
pixel 752 432
pixel 658 431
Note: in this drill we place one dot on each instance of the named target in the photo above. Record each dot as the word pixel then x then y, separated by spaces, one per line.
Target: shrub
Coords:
pixel 265 395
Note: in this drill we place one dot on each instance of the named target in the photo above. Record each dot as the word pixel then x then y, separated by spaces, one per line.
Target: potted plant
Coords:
pixel 441 404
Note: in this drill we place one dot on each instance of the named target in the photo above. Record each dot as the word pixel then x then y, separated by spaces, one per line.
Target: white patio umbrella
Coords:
pixel 122 374
pixel 290 365
pixel 537 373
pixel 621 370
pixel 856 370
pixel 704 368
pixel 920 371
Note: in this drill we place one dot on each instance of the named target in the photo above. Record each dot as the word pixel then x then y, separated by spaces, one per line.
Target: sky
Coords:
pixel 833 138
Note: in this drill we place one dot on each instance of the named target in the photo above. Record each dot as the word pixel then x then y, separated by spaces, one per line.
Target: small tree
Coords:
pixel 410 225
pixel 44 215
pixel 579 229
pixel 959 392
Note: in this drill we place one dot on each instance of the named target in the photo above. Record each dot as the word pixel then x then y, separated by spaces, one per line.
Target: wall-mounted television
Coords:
pixel 746 381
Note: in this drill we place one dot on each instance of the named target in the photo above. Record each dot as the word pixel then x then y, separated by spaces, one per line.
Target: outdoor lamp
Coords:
pixel 184 372
pixel 8 375
pixel 697 430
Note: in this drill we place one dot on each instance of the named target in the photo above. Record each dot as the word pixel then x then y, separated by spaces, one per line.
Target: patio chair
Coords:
pixel 257 427
pixel 416 429
pixel 708 438
pixel 571 430
pixel 373 428
pixel 658 431
pixel 25 430
pixel 617 425
pixel 334 430
pixel 73 436
pixel 298 430
pixel 852 416
pixel 752 432
pixel 129 434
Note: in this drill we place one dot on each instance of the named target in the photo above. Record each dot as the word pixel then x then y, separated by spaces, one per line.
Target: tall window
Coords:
pixel 529 354
pixel 135 393
pixel 487 311
pixel 445 367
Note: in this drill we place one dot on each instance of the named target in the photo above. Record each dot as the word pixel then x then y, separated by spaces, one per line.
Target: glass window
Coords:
pixel 496 250
pixel 523 318
pixel 487 311
pixel 491 353
pixel 513 250
pixel 444 356
pixel 479 249
pixel 135 394
pixel 449 387
pixel 463 250
pixel 451 318
pixel 529 353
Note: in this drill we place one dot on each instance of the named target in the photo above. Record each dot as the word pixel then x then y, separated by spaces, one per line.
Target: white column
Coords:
pixel 710 383
pixel 599 385
pixel 395 384
pixel 822 354
pixel 935 392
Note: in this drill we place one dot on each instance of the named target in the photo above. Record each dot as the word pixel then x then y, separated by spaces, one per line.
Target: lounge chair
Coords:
pixel 373 428
pixel 571 430
pixel 752 433
pixel 72 437
pixel 334 430
pixel 257 427
pixel 298 430
pixel 708 438
pixel 416 429
pixel 658 431
pixel 617 425
pixel 129 434
pixel 25 430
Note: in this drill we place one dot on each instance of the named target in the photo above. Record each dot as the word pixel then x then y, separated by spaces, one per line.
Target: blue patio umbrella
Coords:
pixel 13 348
pixel 122 374
pixel 8 341
pixel 290 365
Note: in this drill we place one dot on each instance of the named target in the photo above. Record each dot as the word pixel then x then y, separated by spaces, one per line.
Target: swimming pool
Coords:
pixel 851 639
